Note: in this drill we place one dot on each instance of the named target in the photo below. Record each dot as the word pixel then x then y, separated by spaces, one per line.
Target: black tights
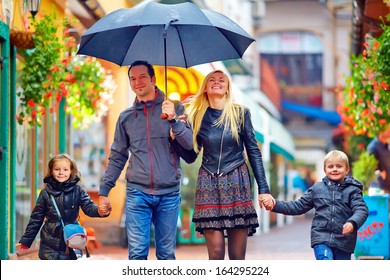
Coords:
pixel 215 242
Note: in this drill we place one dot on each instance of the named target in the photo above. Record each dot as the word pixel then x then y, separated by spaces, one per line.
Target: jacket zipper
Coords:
pixel 220 153
pixel 150 149
pixel 333 212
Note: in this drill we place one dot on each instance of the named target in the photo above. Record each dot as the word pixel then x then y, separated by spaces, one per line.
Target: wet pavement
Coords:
pixel 289 242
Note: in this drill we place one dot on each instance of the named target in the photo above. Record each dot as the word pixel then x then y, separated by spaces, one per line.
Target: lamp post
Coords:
pixel 33 6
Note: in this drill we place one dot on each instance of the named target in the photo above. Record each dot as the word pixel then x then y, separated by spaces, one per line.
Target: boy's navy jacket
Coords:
pixel 70 197
pixel 335 203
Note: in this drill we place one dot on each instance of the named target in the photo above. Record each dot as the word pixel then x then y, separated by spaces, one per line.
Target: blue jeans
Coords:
pixel 143 210
pixel 324 252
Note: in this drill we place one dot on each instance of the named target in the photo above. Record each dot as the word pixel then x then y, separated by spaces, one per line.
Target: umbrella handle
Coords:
pixel 164 116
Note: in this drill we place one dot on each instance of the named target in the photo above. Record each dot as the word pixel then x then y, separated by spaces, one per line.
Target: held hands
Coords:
pixel 183 119
pixel 104 206
pixel 23 248
pixel 267 201
pixel 168 108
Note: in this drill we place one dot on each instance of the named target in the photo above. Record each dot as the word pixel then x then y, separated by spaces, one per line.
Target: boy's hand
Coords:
pixel 267 200
pixel 348 228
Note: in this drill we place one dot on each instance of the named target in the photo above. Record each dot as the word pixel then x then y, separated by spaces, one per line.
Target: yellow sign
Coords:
pixel 181 81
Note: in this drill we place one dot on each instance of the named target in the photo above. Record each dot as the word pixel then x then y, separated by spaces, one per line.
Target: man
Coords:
pixel 380 148
pixel 153 174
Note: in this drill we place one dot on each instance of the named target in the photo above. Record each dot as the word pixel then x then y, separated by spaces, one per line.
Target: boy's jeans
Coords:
pixel 144 209
pixel 324 252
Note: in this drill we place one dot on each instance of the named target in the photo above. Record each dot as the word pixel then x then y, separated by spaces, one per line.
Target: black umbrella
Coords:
pixel 165 34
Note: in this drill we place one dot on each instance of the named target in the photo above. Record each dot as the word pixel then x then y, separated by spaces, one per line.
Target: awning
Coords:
pixel 331 117
pixel 237 67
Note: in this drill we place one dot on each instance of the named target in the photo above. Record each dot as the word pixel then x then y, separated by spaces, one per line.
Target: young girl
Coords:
pixel 61 182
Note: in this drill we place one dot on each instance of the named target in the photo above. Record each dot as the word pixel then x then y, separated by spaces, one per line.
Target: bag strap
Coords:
pixel 63 225
pixel 58 211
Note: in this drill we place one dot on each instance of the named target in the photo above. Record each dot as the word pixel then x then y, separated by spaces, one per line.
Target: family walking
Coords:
pixel 212 126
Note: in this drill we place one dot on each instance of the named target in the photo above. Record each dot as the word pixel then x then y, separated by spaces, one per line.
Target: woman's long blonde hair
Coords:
pixel 232 114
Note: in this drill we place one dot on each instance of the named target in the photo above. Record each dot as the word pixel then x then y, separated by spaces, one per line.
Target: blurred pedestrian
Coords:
pixel 61 181
pixel 380 148
pixel 296 185
pixel 339 209
pixel 153 174
pixel 223 199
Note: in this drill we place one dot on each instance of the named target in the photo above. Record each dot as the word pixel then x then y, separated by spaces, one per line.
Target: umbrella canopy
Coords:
pixel 165 34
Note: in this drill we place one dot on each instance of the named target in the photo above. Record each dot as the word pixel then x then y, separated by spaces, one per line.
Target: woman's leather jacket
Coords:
pixel 222 153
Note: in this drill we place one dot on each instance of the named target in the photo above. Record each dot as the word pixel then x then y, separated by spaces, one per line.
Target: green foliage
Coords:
pixel 364 168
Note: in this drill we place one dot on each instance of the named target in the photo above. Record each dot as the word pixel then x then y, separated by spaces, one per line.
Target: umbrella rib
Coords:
pixel 181 44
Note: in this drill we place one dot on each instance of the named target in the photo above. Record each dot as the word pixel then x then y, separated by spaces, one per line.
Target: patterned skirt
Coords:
pixel 224 202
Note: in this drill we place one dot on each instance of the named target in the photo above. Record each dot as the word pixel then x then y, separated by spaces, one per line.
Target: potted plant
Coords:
pixel 364 169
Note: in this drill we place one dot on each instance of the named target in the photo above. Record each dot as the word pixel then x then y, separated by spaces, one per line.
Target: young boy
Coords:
pixel 339 209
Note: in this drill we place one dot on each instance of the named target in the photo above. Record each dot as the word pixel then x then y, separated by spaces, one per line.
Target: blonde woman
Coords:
pixel 223 199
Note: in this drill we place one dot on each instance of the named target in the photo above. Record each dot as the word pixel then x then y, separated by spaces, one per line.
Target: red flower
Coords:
pixel 31 103
pixel 58 98
pixel 361 146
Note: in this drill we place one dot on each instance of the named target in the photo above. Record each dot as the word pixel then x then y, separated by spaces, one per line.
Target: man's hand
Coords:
pixel 168 108
pixel 104 207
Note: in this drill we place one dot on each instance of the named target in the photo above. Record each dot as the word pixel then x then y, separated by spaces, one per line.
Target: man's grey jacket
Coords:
pixel 142 139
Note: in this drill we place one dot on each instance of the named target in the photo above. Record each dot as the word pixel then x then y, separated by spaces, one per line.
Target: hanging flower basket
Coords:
pixel 364 106
pixel 54 71
pixel 22 39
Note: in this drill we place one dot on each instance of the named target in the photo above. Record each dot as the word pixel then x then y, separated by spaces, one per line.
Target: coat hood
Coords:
pixel 56 188
pixel 348 181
